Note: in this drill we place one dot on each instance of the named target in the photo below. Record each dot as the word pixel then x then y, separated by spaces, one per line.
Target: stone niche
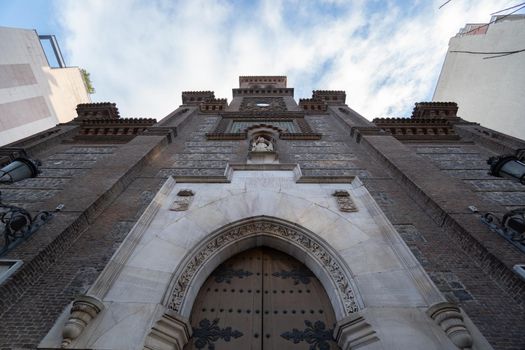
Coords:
pixel 262 148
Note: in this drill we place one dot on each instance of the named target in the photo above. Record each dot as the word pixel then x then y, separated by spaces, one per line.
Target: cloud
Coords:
pixel 385 54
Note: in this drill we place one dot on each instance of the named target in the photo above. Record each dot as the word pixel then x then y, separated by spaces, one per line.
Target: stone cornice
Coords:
pixel 432 121
pixel 435 109
pixel 270 91
pixel 106 110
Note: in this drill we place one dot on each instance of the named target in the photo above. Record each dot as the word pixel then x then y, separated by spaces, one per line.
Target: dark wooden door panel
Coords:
pixel 262 299
pixel 298 314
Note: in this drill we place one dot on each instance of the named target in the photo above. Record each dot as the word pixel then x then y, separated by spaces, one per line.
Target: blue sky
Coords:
pixel 141 54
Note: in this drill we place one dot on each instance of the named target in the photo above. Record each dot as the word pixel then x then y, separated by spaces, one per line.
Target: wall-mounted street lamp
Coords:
pixel 20 224
pixel 511 226
pixel 508 166
pixel 19 169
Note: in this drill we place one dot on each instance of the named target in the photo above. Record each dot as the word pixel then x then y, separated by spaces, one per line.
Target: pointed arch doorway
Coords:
pixel 262 299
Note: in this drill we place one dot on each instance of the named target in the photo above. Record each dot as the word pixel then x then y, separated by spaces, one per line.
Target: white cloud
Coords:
pixel 142 54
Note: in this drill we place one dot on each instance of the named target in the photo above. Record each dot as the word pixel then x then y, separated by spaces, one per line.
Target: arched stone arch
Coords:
pixel 279 234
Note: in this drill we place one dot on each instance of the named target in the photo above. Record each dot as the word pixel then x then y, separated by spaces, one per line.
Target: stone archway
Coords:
pixel 262 299
pixel 305 246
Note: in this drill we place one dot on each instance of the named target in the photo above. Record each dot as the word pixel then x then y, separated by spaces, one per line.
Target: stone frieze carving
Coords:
pixel 313 247
pixel 344 201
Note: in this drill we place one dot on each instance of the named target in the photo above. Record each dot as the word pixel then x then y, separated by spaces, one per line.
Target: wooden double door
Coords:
pixel 262 299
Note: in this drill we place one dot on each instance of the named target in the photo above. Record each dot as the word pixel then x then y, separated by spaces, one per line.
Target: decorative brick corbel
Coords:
pixel 171 332
pixel 448 316
pixel 353 332
pixel 83 310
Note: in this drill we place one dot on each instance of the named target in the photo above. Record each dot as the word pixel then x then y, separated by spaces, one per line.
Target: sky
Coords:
pixel 142 54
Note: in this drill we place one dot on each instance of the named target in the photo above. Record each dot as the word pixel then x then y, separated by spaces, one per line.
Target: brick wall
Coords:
pixel 428 224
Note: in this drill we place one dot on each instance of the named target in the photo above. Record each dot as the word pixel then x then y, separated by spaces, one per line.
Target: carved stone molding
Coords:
pixel 114 267
pixel 353 332
pixel 448 317
pixel 171 332
pixel 344 201
pixel 262 227
pixel 84 309
pixel 182 201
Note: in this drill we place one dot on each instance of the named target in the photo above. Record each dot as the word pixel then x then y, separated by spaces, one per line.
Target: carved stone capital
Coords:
pixel 171 332
pixel 448 317
pixel 84 309
pixel 353 332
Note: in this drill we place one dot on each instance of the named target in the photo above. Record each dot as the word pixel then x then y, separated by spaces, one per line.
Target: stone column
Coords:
pixel 171 332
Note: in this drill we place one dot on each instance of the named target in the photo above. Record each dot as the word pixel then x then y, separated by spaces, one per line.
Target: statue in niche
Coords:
pixel 262 145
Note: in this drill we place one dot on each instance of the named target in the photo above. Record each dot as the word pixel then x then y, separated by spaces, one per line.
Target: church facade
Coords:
pixel 264 223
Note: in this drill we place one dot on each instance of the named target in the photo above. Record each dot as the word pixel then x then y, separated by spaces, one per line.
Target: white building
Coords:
pixel 488 87
pixel 33 95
